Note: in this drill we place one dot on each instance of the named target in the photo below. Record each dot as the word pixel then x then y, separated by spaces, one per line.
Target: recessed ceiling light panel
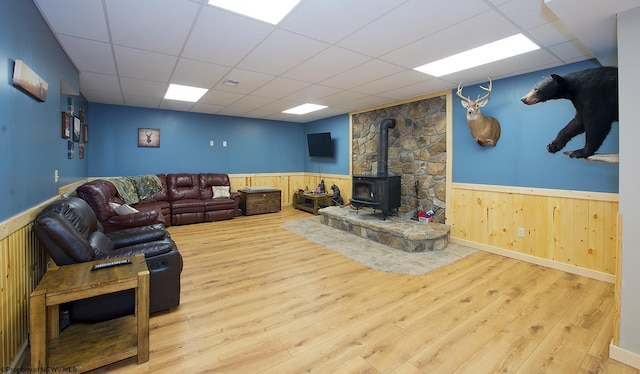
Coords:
pixel 271 11
pixel 304 109
pixel 498 50
pixel 184 93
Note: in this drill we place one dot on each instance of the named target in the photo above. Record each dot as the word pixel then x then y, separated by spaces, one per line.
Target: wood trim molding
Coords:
pixel 600 196
pixel 622 355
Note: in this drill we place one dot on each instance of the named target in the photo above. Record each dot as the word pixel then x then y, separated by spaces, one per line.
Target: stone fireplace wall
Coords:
pixel 417 151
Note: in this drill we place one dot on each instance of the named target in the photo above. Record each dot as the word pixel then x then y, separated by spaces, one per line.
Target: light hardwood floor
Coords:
pixel 259 299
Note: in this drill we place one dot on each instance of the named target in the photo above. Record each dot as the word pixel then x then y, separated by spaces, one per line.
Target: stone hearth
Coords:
pixel 395 231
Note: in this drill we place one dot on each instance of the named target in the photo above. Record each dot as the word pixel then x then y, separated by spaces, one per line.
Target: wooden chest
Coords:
pixel 259 201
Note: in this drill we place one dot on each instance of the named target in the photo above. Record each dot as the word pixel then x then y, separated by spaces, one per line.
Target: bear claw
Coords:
pixel 553 148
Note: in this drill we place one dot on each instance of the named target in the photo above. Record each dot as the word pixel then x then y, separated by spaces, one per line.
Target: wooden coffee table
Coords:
pixel 311 202
pixel 84 347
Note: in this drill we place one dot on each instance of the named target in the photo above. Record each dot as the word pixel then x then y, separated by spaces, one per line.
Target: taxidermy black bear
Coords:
pixel 594 94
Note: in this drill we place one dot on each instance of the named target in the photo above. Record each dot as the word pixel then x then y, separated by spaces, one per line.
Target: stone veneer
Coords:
pixel 417 151
pixel 397 232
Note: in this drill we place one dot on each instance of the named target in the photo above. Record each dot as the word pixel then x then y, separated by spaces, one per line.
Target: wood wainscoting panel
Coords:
pixel 22 264
pixel 289 183
pixel 568 227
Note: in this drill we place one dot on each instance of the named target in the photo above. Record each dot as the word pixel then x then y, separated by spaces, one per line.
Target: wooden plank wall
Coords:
pixel 22 264
pixel 577 230
pixel 291 182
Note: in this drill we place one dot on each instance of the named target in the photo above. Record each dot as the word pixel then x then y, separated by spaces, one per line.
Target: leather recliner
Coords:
pixel 70 232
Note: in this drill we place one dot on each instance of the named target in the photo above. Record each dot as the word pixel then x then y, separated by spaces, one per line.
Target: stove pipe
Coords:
pixel 383 145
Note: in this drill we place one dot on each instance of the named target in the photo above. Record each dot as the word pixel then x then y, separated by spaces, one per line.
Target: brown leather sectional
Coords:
pixel 185 198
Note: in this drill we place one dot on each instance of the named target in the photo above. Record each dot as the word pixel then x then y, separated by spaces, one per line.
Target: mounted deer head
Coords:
pixel 485 130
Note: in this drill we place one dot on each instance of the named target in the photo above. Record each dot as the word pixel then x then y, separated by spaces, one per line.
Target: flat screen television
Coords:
pixel 320 144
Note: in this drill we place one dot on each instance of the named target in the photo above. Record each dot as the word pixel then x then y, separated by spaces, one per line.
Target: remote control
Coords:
pixel 110 264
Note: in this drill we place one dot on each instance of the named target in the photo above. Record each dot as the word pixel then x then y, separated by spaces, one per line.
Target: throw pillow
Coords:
pixel 221 192
pixel 123 209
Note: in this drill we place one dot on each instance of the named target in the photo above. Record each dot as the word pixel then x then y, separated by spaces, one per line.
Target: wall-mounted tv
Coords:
pixel 320 144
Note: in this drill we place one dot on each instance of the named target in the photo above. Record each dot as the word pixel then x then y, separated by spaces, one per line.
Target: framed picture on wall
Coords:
pixel 66 125
pixel 85 133
pixel 76 129
pixel 148 137
pixel 70 148
pixel 81 150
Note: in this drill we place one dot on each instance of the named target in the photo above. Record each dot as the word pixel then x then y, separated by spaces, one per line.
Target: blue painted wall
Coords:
pixel 338 126
pixel 520 158
pixel 253 145
pixel 31 146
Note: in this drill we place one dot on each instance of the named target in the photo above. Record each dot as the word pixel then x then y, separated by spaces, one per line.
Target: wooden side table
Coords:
pixel 311 202
pixel 84 347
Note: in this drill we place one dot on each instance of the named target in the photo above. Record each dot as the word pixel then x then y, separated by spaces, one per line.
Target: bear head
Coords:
pixel 549 88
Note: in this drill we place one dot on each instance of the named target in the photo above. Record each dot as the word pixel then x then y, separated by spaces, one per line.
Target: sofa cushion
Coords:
pixel 208 180
pixel 183 186
pixel 187 206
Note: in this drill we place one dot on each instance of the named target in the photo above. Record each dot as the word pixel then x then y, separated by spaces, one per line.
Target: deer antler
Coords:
pixel 459 93
pixel 486 89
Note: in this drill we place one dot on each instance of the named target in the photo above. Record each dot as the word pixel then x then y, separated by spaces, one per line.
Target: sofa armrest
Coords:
pixel 149 249
pixel 136 235
pixel 142 218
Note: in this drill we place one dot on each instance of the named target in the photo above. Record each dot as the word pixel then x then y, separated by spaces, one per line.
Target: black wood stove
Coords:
pixel 380 191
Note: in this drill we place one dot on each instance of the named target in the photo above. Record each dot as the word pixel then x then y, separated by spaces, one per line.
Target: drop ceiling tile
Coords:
pixel 372 70
pixel 392 82
pixel 407 23
pixel 224 38
pixel 99 82
pixel 341 97
pixel 332 20
pixel 89 55
pixel 184 106
pixel 199 74
pixel 153 25
pixel 484 28
pixel 312 93
pixel 252 101
pixel 136 63
pixel 139 87
pixel 142 101
pixel 527 13
pixel 550 34
pixel 248 81
pixel 418 89
pixel 213 97
pixel 84 19
pixel 281 51
pixel 200 107
pixel 103 97
pixel 280 87
pixel 331 61
pixel 571 51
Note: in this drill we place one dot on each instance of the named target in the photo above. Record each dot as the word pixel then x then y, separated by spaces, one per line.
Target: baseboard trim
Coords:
pixel 598 275
pixel 624 356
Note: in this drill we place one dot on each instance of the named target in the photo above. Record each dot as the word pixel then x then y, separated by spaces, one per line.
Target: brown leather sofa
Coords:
pixel 185 198
pixel 70 232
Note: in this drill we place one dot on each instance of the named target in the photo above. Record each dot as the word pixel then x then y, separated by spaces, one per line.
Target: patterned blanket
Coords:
pixel 137 188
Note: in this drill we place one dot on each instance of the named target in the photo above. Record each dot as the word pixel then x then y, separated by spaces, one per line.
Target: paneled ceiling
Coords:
pixel 347 54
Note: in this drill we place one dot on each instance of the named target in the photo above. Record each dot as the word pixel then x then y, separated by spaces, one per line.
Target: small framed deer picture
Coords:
pixel 149 138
